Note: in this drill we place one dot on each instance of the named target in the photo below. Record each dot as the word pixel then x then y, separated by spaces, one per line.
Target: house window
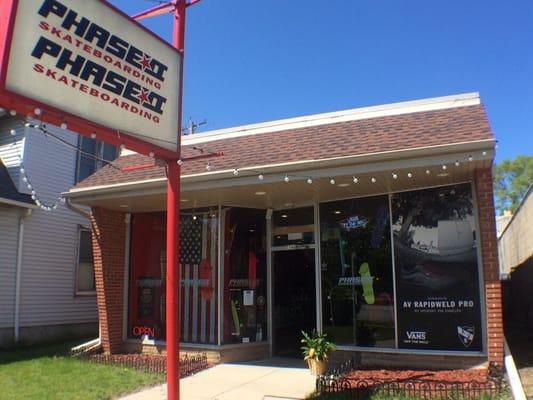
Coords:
pixel 91 156
pixel 85 272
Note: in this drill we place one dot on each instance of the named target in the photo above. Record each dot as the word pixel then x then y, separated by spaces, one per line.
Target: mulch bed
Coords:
pixel 391 375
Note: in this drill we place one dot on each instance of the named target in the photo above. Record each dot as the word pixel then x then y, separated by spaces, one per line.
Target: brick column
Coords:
pixel 489 258
pixel 108 236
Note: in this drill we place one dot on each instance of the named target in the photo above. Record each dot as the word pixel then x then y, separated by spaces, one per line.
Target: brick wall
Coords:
pixel 108 234
pixel 489 258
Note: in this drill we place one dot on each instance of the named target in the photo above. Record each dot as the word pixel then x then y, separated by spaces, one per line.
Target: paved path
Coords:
pixel 277 379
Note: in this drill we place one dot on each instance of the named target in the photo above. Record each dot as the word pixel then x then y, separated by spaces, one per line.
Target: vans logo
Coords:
pixel 416 335
pixel 466 334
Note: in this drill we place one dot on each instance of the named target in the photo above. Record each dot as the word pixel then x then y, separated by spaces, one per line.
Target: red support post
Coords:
pixel 173 228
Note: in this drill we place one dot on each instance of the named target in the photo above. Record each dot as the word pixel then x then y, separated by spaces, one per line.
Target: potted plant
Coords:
pixel 316 349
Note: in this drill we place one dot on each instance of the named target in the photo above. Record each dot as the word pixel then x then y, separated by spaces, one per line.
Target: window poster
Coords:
pixel 436 268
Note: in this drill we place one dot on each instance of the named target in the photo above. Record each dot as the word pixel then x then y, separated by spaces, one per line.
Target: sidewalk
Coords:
pixel 275 378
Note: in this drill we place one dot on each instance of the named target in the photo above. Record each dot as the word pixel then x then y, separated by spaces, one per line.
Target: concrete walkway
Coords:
pixel 266 379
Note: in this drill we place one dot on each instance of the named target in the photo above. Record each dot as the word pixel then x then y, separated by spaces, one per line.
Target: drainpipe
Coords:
pixel 20 246
pixel 514 379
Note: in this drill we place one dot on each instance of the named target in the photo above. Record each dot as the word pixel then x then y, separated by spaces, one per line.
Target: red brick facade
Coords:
pixel 489 259
pixel 109 234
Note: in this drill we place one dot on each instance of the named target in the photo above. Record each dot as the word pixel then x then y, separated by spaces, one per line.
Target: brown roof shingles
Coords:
pixel 351 138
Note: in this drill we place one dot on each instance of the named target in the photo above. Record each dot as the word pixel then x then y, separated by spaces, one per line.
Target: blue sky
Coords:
pixel 252 61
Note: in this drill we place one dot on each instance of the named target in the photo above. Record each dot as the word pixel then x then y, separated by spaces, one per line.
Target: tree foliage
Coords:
pixel 512 179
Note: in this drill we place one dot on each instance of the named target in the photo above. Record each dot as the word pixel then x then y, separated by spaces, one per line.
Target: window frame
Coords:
pixel 77 291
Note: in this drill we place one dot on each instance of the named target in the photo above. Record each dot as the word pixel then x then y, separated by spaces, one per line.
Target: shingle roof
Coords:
pixel 350 138
pixel 8 190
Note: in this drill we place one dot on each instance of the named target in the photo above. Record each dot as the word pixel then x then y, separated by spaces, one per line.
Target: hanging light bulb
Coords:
pixel 235 172
pixel 22 170
pixel 151 154
pixel 180 161
pixel 13 132
pixel 373 180
pixel 394 176
pixel 332 181
pixel 470 158
pixel 409 175
pixel 428 172
pixel 122 147
pixel 93 135
pixel 30 187
pixel 444 167
pixel 484 153
pixel 194 217
pixel 355 179
pixel 37 111
pixel 12 113
pixel 25 180
pixel 456 163
pixel 286 179
pixel 208 166
pixel 260 177
pixel 310 180
pixel 63 125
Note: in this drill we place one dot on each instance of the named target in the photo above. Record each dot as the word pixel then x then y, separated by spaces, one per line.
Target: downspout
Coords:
pixel 20 246
pixel 77 210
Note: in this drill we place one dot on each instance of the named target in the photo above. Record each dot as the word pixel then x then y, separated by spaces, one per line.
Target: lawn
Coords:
pixel 47 372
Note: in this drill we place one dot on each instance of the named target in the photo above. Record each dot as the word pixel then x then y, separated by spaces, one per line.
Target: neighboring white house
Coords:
pixel 47 288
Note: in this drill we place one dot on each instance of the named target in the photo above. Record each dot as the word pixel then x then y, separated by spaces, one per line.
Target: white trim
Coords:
pixel 18 203
pixel 364 163
pixel 318 267
pixel 405 107
pixel 393 260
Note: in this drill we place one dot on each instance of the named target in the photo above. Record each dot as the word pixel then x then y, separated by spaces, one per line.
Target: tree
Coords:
pixel 512 179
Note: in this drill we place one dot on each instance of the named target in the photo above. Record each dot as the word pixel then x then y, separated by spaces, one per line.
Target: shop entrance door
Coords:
pixel 294 299
pixel 293 279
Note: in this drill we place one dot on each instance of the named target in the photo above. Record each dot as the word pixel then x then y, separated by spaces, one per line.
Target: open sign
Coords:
pixel 143 330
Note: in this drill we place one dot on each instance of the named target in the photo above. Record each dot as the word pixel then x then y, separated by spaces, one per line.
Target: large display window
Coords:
pixel 437 281
pixel 198 264
pixel 357 277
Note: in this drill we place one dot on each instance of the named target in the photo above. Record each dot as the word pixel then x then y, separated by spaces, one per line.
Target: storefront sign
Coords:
pixel 86 60
pixel 143 330
pixel 437 281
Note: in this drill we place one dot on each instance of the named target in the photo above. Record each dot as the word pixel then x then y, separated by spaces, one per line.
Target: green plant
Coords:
pixel 316 346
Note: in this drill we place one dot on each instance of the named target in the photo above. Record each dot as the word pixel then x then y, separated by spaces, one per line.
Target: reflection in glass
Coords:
pixel 357 286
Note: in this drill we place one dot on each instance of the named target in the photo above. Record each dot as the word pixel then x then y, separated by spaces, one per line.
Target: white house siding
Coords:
pixel 9 224
pixel 11 147
pixel 50 239
pixel 515 245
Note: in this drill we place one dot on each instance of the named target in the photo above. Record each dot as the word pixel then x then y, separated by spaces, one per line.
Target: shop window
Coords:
pixel 245 301
pixel 85 268
pixel 198 270
pixel 437 281
pixel 91 155
pixel 293 227
pixel 357 277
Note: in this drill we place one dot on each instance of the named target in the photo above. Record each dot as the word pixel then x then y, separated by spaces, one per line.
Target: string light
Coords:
pixel 428 172
pixel 470 158
pixel 12 113
pixel 208 166
pixel 286 179
pixel 13 132
pixel 373 180
pixel 456 163
pixel 235 172
pixel 394 176
pixel 332 181
pixel 37 111
pixel 93 135
pixel 444 167
pixel 355 179
pixel 122 147
pixel 64 125
pixel 484 153
pixel 310 180
pixel 180 161
pixel 260 177
pixel 409 175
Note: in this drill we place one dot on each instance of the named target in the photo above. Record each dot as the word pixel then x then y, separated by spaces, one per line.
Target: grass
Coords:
pixel 47 372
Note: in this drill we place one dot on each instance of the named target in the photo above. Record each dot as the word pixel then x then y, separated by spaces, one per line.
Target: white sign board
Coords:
pixel 89 60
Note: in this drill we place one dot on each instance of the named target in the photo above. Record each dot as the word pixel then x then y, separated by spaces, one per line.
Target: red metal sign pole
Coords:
pixel 178 7
pixel 173 228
